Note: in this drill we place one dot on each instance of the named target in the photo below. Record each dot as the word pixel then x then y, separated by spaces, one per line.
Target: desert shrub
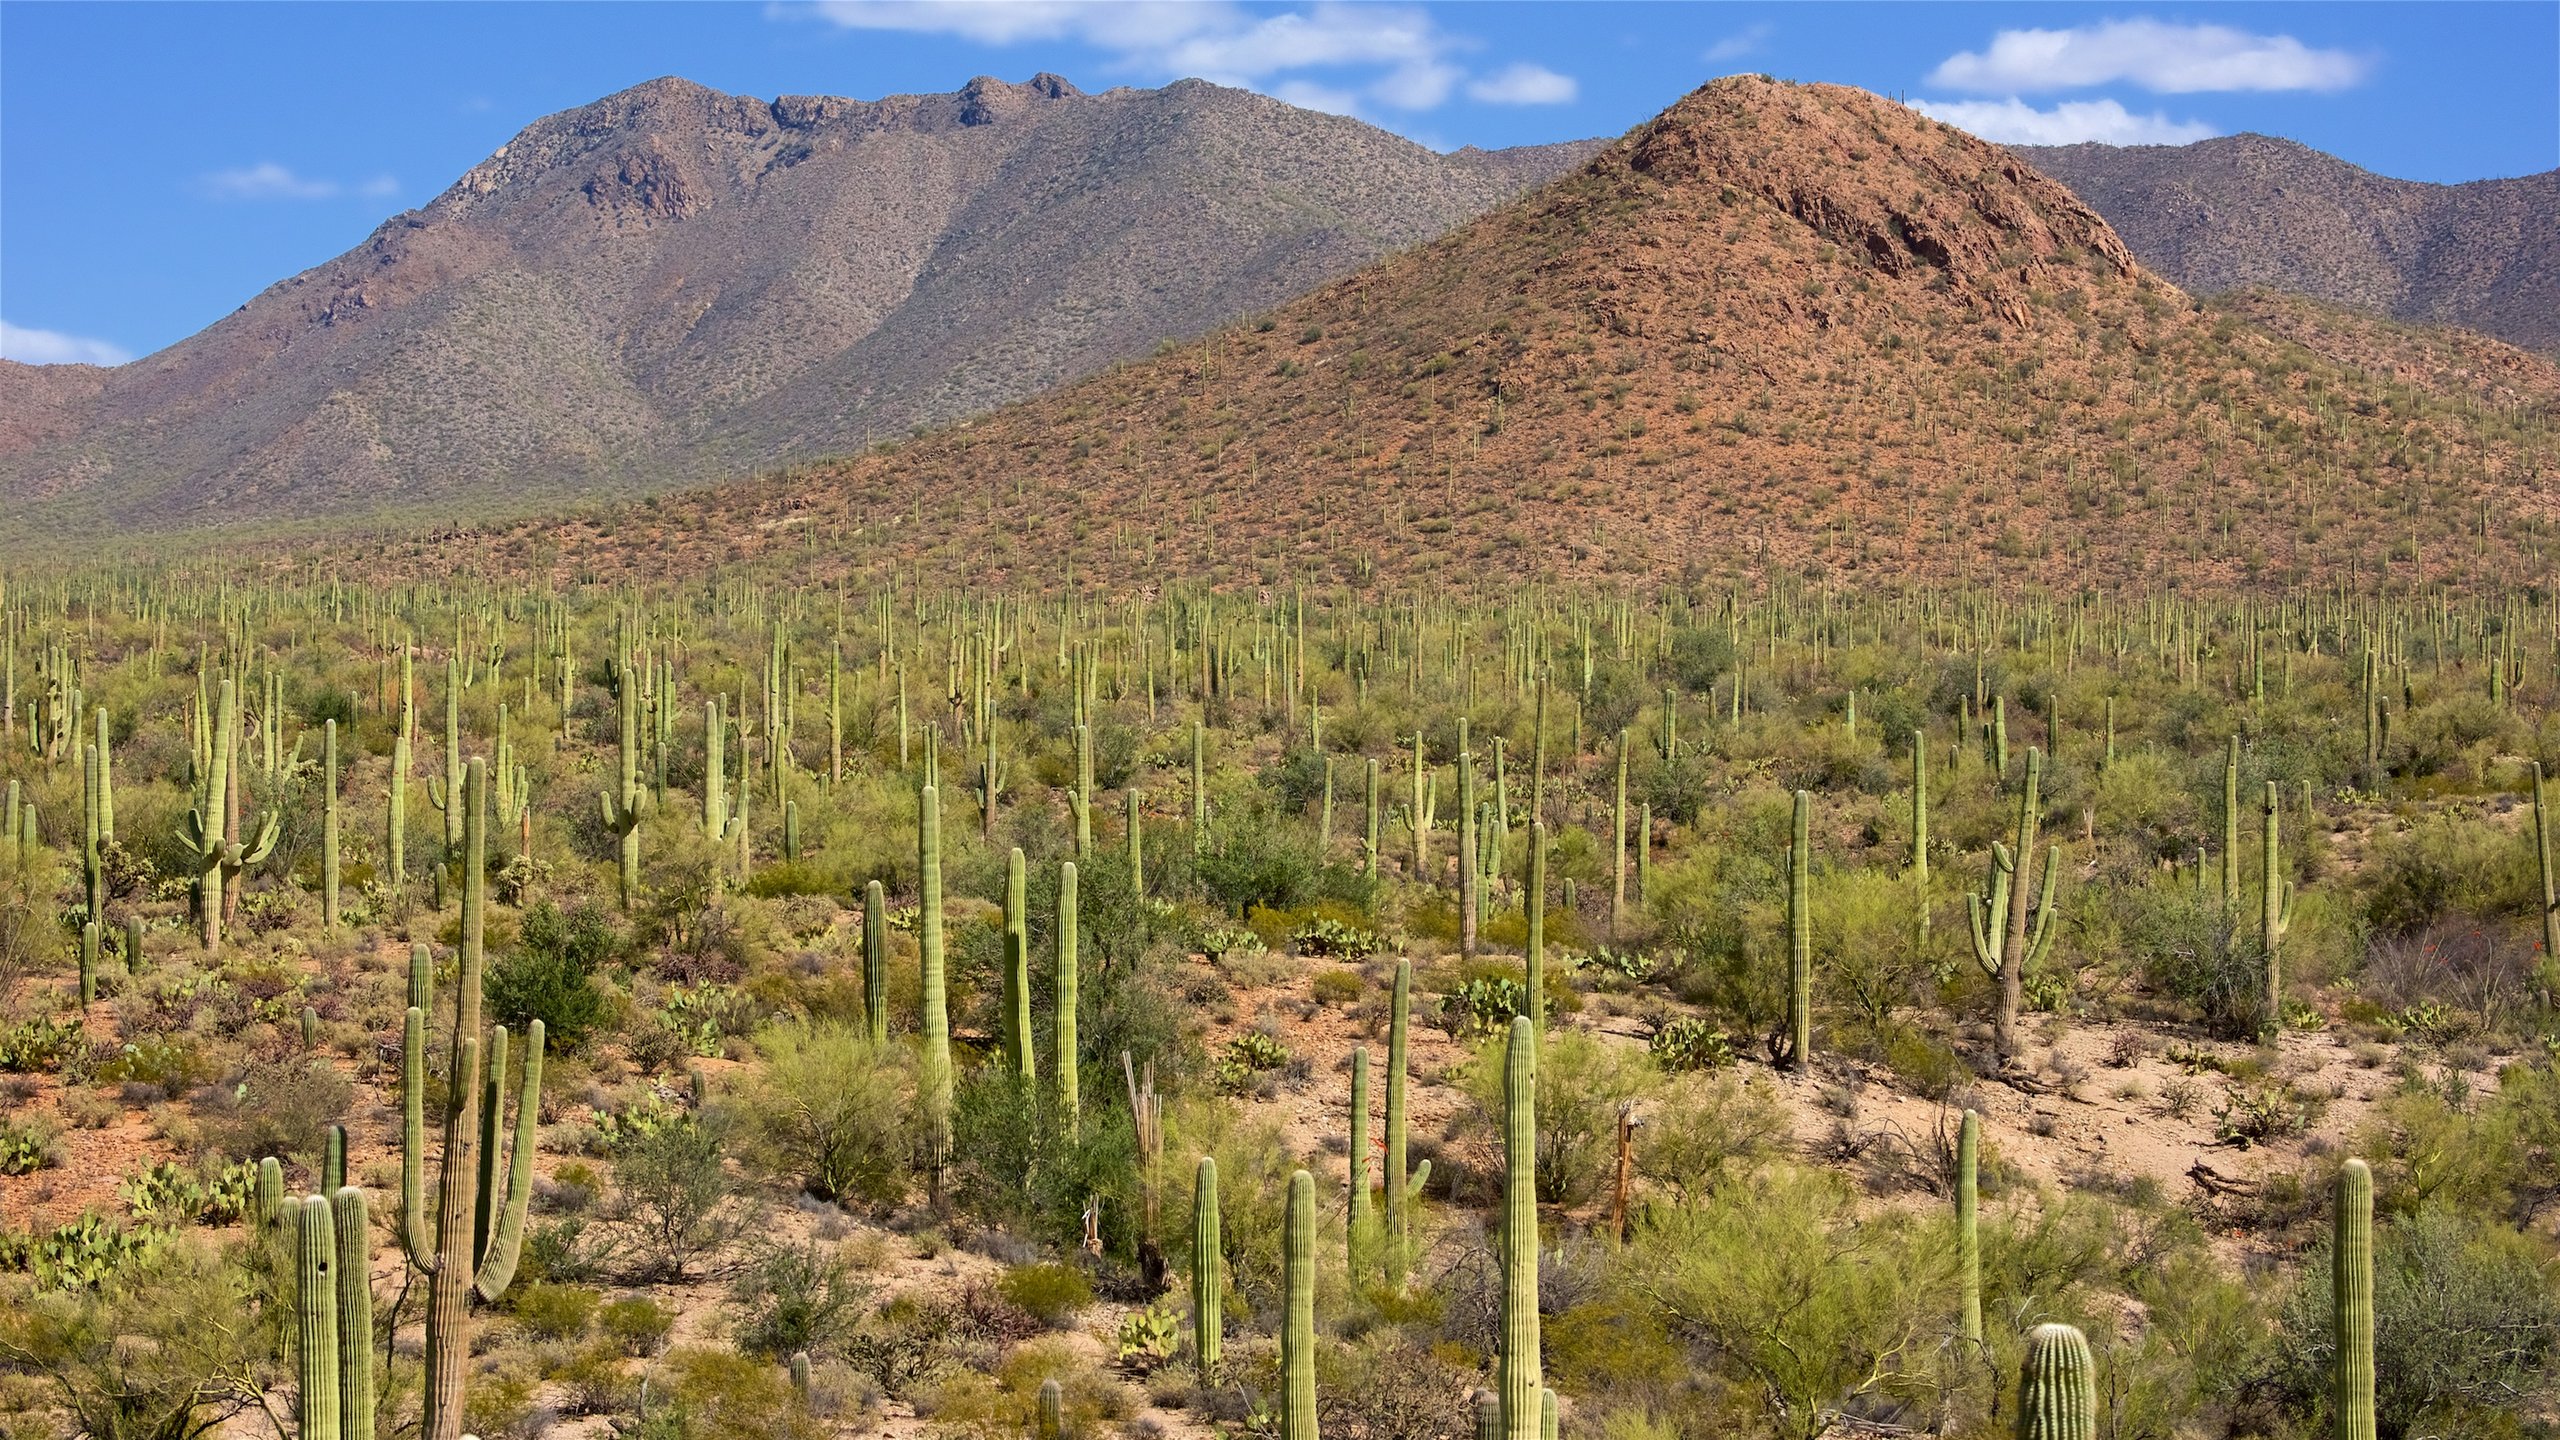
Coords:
pixel 549 974
pixel 134 1357
pixel 2447 865
pixel 2484 970
pixel 1581 1083
pixel 793 1297
pixel 2465 1324
pixel 554 1312
pixel 2191 949
pixel 1256 858
pixel 832 1111
pixel 674 1196
pixel 636 1323
pixel 723 1395
pixel 275 1107
pixel 1054 1293
pixel 1700 1126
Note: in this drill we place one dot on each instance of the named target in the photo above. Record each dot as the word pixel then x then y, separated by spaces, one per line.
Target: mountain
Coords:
pixel 674 284
pixel 2253 210
pixel 1780 328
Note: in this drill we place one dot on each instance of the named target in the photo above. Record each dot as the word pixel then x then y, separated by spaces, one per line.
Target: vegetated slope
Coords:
pixel 674 283
pixel 1778 326
pixel 2254 210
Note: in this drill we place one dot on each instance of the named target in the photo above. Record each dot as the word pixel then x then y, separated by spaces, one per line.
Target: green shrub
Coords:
pixel 636 1323
pixel 1581 1082
pixel 549 975
pixel 1053 1293
pixel 1686 1042
pixel 832 1111
pixel 793 1297
pixel 554 1312
pixel 1336 987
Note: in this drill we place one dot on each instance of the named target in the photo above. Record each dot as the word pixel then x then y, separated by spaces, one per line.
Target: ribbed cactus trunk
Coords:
pixel 1298 1315
pixel 355 1312
pixel 1470 877
pixel 89 963
pixel 1053 1411
pixel 934 1081
pixel 1063 1030
pixel 2230 827
pixel 1618 852
pixel 329 868
pixel 1488 1415
pixel 404 749
pixel 1135 833
pixel 315 1296
pixel 1369 832
pixel 1521 1380
pixel 2275 910
pixel 1019 1050
pixel 1399 1219
pixel 1968 1234
pixel 1800 938
pixel 2351 1296
pixel 1536 903
pixel 2550 869
pixel 875 960
pixel 1920 829
pixel 622 807
pixel 2057 1386
pixel 93 882
pixel 1355 1234
pixel 1208 1260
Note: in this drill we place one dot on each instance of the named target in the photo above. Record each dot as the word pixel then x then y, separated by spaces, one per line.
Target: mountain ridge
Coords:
pixel 2259 210
pixel 601 305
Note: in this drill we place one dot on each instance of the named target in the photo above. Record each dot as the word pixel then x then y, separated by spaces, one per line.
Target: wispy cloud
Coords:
pixel 1524 83
pixel 1749 40
pixel 2166 58
pixel 1329 55
pixel 2015 122
pixel 52 347
pixel 268 180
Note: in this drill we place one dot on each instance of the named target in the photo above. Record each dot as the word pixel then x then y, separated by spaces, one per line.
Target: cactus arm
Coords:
pixel 2057 1386
pixel 417 1230
pixel 2041 941
pixel 498 1265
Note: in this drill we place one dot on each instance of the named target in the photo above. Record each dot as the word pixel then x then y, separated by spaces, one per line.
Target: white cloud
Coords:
pixel 2158 56
pixel 268 180
pixel 1328 55
pixel 2015 122
pixel 1525 84
pixel 52 347
pixel 1746 41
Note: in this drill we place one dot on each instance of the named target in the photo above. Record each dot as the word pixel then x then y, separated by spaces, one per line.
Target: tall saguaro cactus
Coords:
pixel 315 1294
pixel 1535 971
pixel 329 867
pixel 2002 944
pixel 1208 1257
pixel 1399 1024
pixel 1063 1030
pixel 2057 1386
pixel 1800 938
pixel 2351 1296
pixel 1298 1316
pixel 1968 1235
pixel 621 805
pixel 875 960
pixel 2275 909
pixel 214 854
pixel 477 1228
pixel 935 1022
pixel 1521 1381
pixel 2542 851
pixel 1018 1049
pixel 1355 1233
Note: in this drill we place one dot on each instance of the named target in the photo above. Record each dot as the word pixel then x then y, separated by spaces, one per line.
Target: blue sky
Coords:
pixel 161 163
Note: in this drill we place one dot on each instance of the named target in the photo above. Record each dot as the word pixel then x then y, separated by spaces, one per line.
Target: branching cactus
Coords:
pixel 1298 1315
pixel 2351 1296
pixel 621 806
pixel 468 1243
pixel 2057 1386
pixel 215 858
pixel 1208 1259
pixel 445 791
pixel 2002 942
pixel 2275 910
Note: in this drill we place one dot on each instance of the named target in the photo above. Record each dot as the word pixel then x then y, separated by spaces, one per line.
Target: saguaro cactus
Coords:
pixel 1369 835
pixel 621 805
pixel 875 960
pixel 1053 1411
pixel 1920 827
pixel 2057 1386
pixel 1399 1021
pixel 1968 1236
pixel 445 792
pixel 2275 910
pixel 2231 826
pixel 934 1083
pixel 2542 850
pixel 1520 1364
pixel 2351 1296
pixel 1800 938
pixel 403 756
pixel 462 1252
pixel 1063 1031
pixel 2002 943
pixel 1208 1257
pixel 1536 902
pixel 215 856
pixel 1018 1050
pixel 1355 1233
pixel 1298 1322
pixel 329 868
pixel 315 1294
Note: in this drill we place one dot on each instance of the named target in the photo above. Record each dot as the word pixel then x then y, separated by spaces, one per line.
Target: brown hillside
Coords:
pixel 2253 210
pixel 1779 325
pixel 675 284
